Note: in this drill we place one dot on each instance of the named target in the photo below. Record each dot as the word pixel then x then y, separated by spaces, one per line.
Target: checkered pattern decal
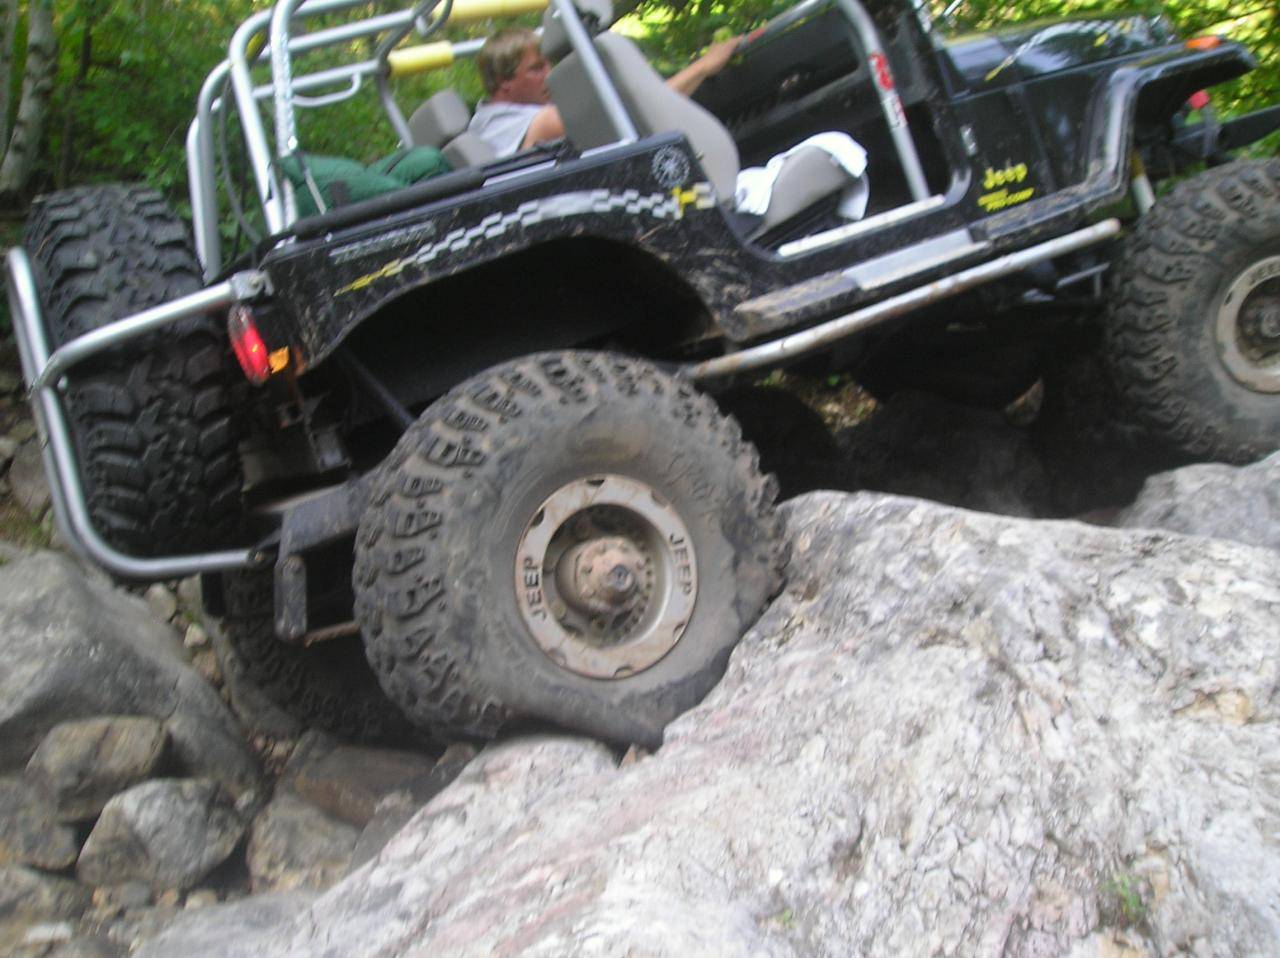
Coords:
pixel 662 206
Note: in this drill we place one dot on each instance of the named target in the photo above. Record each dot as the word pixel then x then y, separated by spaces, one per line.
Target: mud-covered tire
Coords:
pixel 1172 346
pixel 437 551
pixel 327 686
pixel 152 421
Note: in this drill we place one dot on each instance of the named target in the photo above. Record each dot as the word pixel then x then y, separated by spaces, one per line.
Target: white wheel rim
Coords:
pixel 641 634
pixel 1247 333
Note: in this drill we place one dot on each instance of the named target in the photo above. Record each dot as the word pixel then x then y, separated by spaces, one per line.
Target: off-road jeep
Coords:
pixel 472 435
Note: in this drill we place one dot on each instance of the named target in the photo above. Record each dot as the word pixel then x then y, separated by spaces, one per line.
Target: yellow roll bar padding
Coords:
pixel 465 11
pixel 420 59
pixel 256 44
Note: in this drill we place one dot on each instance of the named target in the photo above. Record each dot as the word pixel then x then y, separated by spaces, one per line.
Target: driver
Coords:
pixel 518 112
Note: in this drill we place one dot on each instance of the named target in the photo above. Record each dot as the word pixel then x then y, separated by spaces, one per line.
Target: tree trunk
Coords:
pixel 8 37
pixel 33 108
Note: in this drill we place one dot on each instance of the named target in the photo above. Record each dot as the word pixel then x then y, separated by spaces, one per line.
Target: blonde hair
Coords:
pixel 501 55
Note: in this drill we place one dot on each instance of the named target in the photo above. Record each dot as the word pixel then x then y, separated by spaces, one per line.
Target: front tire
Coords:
pixel 570 537
pixel 1193 334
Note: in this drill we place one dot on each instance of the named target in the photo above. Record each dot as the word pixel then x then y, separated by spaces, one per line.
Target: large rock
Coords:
pixel 1223 502
pixel 295 845
pixel 168 833
pixel 953 734
pixel 226 930
pixel 29 894
pixel 27 480
pixel 80 765
pixel 29 834
pixel 348 781
pixel 74 647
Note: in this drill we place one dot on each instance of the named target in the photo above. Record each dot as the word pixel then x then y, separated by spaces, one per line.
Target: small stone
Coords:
pixel 295 845
pixel 127 896
pixel 162 601
pixel 169 898
pixel 196 637
pixel 169 833
pixel 190 595
pixel 51 933
pixel 29 835
pixel 348 781
pixel 8 447
pixel 201 898
pixel 93 947
pixel 205 661
pixel 27 893
pixel 80 765
pixel 635 753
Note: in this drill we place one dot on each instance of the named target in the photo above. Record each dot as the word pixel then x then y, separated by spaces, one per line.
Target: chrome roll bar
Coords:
pixel 42 371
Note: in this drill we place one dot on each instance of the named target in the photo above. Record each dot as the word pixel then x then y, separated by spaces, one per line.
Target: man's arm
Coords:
pixel 547 125
pixel 708 65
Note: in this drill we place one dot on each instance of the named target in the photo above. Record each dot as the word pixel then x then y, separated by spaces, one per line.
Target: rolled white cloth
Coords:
pixel 755 184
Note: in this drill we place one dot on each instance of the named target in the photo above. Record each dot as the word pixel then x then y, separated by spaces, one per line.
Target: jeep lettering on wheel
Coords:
pixel 613 562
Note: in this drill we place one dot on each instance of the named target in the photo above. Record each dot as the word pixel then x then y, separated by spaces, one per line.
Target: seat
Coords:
pixel 807 176
pixel 442 121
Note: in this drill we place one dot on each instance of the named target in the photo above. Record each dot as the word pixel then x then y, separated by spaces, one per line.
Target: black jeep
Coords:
pixel 471 434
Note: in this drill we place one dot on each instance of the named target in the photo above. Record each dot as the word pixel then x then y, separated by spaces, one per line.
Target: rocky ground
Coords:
pixel 966 727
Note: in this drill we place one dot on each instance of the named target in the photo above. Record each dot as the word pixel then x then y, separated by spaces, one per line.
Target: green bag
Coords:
pixel 340 181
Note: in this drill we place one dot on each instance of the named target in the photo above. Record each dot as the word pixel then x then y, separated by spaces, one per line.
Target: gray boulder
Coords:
pixel 295 845
pixel 29 894
pixel 954 734
pixel 80 765
pixel 75 647
pixel 1223 502
pixel 348 781
pixel 224 930
pixel 29 834
pixel 27 481
pixel 168 833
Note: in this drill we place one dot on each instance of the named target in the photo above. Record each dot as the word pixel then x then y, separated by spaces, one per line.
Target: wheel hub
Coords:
pixel 606 577
pixel 601 576
pixel 1248 327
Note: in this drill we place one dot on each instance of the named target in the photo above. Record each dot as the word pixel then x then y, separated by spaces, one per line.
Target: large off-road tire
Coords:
pixel 1193 333
pixel 152 420
pixel 328 686
pixel 572 537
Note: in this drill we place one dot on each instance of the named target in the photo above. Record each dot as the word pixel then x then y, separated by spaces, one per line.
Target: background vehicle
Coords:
pixel 469 429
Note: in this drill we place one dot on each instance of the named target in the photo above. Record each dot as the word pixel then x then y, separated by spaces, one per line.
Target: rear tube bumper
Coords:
pixel 43 373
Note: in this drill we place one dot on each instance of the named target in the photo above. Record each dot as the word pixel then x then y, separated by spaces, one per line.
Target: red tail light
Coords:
pixel 247 344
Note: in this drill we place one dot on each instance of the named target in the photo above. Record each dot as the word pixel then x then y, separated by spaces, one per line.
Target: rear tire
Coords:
pixel 1193 334
pixel 152 421
pixel 511 484
pixel 327 686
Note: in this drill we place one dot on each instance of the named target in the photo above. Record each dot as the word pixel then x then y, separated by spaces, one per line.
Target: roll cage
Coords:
pixel 273 38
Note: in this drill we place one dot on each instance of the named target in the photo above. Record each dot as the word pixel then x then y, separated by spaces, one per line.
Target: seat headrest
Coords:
pixel 439 119
pixel 596 15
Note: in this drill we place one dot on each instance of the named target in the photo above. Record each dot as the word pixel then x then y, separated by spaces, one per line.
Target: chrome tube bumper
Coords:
pixel 43 372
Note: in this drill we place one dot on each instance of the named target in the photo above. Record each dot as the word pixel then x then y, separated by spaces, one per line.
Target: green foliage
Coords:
pixel 130 71
pixel 1124 900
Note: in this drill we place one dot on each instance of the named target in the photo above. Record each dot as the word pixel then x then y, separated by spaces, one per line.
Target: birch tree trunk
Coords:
pixel 33 108
pixel 8 36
